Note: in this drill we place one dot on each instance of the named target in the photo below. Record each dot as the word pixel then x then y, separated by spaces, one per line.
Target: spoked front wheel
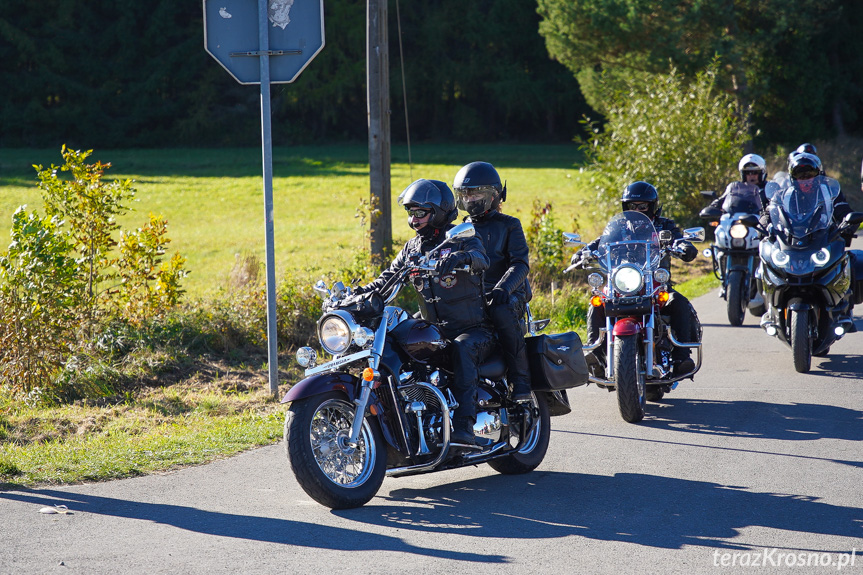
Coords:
pixel 331 471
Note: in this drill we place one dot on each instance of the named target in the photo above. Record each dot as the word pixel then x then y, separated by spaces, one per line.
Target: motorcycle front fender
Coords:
pixel 800 306
pixel 322 383
pixel 626 326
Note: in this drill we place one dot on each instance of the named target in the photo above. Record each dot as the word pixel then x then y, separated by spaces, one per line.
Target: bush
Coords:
pixel 681 137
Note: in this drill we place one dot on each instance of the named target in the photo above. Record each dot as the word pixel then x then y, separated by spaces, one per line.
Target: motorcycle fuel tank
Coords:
pixel 421 340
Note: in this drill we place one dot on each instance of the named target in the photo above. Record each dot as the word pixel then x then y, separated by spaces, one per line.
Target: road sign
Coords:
pixel 296 35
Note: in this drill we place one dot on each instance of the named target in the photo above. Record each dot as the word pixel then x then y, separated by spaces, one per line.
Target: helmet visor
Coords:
pixel 476 201
pixel 804 172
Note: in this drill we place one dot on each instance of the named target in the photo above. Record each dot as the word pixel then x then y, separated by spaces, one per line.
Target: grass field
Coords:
pixel 213 199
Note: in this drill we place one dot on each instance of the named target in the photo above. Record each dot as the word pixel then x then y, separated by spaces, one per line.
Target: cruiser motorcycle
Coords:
pixel 633 288
pixel 734 252
pixel 809 277
pixel 383 405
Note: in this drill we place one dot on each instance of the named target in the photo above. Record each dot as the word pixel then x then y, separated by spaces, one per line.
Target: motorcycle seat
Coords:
pixel 493 367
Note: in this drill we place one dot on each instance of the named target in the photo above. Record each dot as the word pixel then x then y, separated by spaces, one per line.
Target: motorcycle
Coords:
pixel 807 274
pixel 633 288
pixel 734 252
pixel 383 405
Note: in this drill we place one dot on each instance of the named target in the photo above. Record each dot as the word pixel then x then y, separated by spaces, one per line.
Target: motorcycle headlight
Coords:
pixel 363 336
pixel 780 258
pixel 738 231
pixel 821 257
pixel 306 356
pixel 661 275
pixel 627 279
pixel 335 334
pixel 595 280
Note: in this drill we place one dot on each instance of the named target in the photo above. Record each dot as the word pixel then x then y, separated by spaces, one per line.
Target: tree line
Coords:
pixel 127 74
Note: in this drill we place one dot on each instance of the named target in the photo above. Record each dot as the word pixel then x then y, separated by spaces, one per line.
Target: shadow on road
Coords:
pixel 844 366
pixel 648 510
pixel 265 529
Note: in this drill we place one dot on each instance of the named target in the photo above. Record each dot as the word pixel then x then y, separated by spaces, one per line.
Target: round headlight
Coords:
pixel 595 280
pixel 335 335
pixel 306 356
pixel 738 231
pixel 662 275
pixel 627 279
pixel 780 258
pixel 363 336
pixel 821 257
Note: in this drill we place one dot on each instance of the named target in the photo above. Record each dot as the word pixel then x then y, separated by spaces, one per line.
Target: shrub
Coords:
pixel 681 137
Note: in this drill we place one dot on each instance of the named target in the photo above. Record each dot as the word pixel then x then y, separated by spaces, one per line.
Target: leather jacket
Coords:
pixel 508 254
pixel 453 301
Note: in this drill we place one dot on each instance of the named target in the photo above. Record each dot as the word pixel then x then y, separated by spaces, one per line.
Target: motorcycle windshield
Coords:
pixel 741 198
pixel 629 238
pixel 806 206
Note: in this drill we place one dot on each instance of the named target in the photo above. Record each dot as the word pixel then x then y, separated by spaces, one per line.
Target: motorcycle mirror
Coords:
pixel 709 194
pixel 693 234
pixel 338 289
pixel 572 239
pixel 749 220
pixel 853 219
pixel 321 288
pixel 461 231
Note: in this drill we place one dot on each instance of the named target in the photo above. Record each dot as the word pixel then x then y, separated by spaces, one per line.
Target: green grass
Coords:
pixel 213 199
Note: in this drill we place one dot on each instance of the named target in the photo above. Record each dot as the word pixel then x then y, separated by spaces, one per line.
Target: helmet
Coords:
pixel 433 195
pixel 751 163
pixel 807 148
pixel 804 166
pixel 478 189
pixel 641 192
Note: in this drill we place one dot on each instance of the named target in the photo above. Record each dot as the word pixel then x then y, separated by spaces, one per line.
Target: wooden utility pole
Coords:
pixel 378 82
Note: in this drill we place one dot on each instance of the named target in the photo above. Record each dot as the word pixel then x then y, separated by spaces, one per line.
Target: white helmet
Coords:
pixel 752 162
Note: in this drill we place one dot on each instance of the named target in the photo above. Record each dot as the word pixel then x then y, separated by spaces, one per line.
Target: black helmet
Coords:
pixel 807 148
pixel 478 189
pixel 804 166
pixel 432 195
pixel 641 192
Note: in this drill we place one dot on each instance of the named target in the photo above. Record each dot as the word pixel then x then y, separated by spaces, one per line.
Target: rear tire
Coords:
pixel 533 450
pixel 737 300
pixel 801 343
pixel 628 378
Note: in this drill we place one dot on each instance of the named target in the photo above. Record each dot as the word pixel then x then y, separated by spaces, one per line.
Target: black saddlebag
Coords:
pixel 856 276
pixel 556 361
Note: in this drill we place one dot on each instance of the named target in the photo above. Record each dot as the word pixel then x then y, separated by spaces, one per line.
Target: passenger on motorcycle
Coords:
pixel 643 197
pixel 452 299
pixel 479 192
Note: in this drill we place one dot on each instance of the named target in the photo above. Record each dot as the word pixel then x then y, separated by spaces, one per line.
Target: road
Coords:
pixel 751 463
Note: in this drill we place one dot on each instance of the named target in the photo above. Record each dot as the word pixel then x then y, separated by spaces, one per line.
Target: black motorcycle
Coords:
pixel 383 404
pixel 806 272
pixel 734 251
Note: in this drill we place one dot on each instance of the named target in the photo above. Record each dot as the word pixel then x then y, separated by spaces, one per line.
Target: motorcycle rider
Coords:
pixel 479 192
pixel 753 171
pixel 643 197
pixel 450 299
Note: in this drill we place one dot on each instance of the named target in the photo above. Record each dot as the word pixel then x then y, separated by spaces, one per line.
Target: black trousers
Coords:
pixel 469 349
pixel 683 322
pixel 506 319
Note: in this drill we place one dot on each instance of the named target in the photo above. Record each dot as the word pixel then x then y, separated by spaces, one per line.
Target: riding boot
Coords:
pixel 462 431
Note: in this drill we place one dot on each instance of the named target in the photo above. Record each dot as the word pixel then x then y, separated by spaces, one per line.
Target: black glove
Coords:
pixel 357 290
pixel 498 296
pixel 686 250
pixel 449 263
pixel 579 258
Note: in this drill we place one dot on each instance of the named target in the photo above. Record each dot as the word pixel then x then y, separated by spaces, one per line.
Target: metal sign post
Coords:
pixel 235 33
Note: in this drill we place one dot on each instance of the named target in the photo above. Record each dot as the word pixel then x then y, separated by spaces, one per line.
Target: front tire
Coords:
pixel 629 378
pixel 736 299
pixel 801 343
pixel 533 447
pixel 326 467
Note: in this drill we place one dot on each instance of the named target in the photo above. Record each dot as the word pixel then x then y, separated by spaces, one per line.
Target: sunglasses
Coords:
pixel 805 174
pixel 418 213
pixel 639 206
pixel 751 173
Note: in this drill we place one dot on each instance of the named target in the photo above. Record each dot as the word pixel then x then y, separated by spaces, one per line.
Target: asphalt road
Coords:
pixel 752 463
